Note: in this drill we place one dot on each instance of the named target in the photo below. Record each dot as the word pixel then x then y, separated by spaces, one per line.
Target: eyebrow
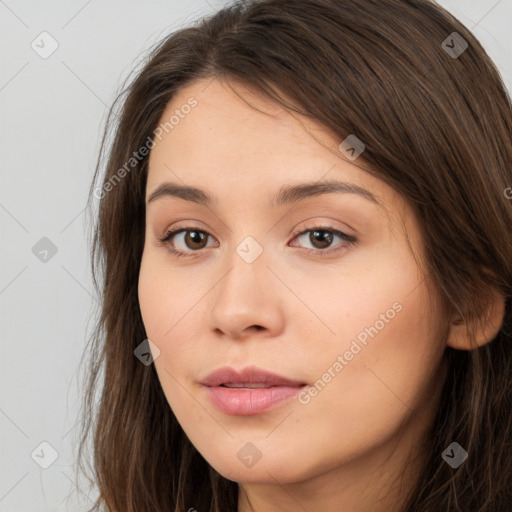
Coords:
pixel 287 194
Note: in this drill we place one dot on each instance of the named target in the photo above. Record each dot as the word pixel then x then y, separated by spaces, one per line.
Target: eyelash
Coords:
pixel 349 239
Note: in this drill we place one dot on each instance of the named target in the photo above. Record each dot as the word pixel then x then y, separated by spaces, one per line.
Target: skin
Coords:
pixel 346 449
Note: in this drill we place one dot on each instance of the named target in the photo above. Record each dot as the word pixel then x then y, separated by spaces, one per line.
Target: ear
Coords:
pixel 485 327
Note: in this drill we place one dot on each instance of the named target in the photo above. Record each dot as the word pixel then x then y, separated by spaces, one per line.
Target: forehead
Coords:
pixel 234 123
pixel 242 138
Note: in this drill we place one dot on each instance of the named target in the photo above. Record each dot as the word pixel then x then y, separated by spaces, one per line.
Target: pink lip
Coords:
pixel 245 401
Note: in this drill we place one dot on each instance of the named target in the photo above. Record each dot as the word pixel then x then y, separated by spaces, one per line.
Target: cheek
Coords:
pixel 355 300
pixel 165 298
pixel 151 302
pixel 387 380
pixel 169 306
pixel 164 303
pixel 385 344
pixel 386 351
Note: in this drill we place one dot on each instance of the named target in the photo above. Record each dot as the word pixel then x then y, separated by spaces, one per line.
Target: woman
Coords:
pixel 304 252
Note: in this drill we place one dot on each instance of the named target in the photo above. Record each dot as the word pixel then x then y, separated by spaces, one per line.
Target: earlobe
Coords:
pixel 485 328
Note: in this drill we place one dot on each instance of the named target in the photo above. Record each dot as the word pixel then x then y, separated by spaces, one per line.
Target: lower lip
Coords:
pixel 248 402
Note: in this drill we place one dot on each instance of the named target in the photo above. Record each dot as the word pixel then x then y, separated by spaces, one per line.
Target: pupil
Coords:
pixel 325 237
pixel 195 237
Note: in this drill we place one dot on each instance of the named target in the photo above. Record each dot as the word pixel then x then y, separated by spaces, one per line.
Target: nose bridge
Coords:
pixel 245 296
pixel 247 273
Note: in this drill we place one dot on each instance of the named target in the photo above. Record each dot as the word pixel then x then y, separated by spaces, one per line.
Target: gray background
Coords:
pixel 53 111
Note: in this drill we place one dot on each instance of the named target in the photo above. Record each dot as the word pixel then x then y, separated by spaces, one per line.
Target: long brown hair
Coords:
pixel 436 120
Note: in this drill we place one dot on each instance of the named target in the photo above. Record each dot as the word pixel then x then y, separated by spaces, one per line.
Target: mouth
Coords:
pixel 250 391
pixel 251 376
pixel 250 385
pixel 239 400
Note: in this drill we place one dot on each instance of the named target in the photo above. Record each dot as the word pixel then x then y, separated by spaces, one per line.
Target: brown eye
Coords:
pixel 188 240
pixel 195 239
pixel 321 238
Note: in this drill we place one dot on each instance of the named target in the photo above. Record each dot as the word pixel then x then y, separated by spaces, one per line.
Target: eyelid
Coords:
pixel 349 240
pixel 182 225
pixel 319 225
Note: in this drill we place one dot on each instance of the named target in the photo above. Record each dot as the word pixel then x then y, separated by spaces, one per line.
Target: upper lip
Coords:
pixel 251 374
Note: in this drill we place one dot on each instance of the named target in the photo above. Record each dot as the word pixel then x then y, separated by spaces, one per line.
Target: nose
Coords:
pixel 247 300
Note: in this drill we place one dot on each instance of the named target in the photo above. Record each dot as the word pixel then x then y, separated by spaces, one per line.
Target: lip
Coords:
pixel 252 374
pixel 243 401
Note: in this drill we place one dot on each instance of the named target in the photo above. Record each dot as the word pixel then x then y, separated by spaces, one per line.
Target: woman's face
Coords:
pixel 265 280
